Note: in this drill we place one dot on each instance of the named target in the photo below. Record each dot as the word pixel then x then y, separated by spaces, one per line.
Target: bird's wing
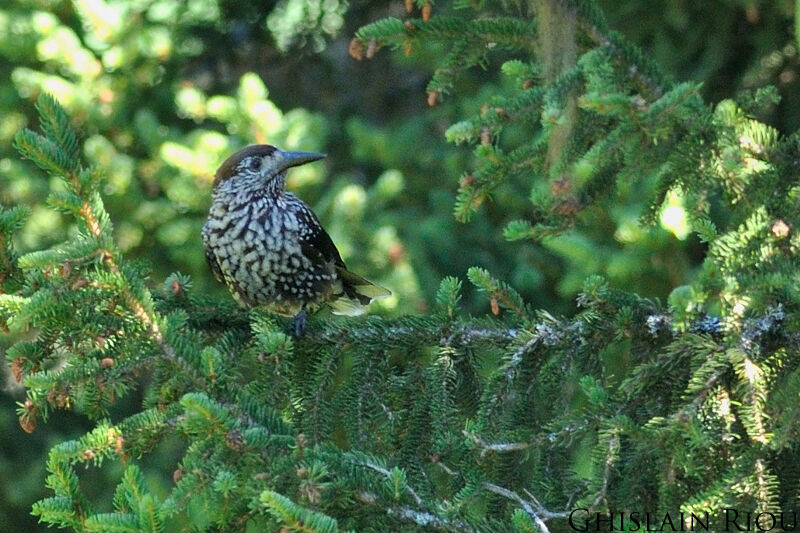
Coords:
pixel 315 242
pixel 318 247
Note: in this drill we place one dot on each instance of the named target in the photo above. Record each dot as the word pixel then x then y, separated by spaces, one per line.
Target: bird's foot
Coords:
pixel 298 323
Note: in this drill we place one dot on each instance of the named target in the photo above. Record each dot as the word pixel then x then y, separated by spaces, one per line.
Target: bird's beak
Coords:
pixel 293 159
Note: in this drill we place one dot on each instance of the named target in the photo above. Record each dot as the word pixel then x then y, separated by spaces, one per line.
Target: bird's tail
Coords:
pixel 357 293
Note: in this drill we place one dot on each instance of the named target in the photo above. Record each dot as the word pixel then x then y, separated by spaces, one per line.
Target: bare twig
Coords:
pixel 386 472
pixel 534 509
pixel 499 447
pixel 426 519
pixel 613 445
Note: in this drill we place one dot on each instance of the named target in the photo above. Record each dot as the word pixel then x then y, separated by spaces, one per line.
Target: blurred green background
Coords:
pixel 164 90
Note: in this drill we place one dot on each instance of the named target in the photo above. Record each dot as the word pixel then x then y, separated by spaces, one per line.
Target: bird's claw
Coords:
pixel 298 323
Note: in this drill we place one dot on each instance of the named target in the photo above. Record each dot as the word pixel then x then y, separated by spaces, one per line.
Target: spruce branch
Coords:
pixel 57 152
pixel 11 221
pixel 592 22
pixel 266 419
pixel 147 317
pixel 296 517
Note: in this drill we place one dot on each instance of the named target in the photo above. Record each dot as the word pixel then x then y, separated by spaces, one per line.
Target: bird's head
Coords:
pixel 260 167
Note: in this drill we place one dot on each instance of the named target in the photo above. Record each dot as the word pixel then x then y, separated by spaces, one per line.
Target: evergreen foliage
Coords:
pixel 441 421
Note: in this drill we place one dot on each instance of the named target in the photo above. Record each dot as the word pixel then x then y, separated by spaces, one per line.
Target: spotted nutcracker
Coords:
pixel 268 246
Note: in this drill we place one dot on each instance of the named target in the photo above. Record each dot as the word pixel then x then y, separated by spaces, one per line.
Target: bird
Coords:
pixel 269 247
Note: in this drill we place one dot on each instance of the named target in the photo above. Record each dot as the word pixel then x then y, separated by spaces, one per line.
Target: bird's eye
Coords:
pixel 255 164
